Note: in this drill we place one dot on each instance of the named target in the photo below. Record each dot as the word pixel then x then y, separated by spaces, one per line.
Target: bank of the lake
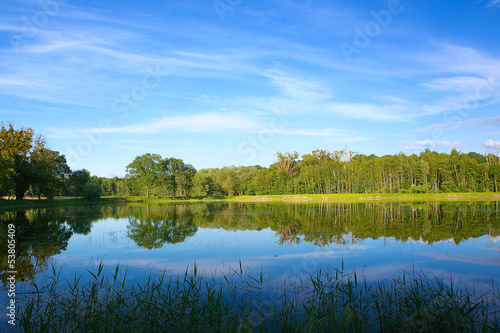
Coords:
pixel 6 205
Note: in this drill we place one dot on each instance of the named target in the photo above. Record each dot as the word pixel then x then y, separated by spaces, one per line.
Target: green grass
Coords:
pixel 329 301
pixel 9 205
pixel 354 197
pixel 348 197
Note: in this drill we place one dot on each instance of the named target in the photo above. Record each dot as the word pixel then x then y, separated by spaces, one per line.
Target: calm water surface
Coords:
pixel 377 240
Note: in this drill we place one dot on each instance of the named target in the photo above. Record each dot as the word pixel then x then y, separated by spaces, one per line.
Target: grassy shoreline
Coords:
pixel 383 197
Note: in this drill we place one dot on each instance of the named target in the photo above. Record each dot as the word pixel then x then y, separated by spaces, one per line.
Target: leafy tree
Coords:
pixel 178 176
pixel 91 191
pixel 147 169
pixel 286 161
pixel 204 184
pixel 18 144
pixel 7 184
pixel 50 171
pixel 77 180
pixel 29 162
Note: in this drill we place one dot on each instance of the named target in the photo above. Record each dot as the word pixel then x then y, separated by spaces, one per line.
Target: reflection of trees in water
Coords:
pixel 38 236
pixel 169 224
pixel 41 234
pixel 288 234
pixel 349 223
pixel 319 223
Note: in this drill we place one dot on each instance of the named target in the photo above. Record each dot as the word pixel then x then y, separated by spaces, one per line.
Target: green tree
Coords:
pixel 286 161
pixel 18 143
pixel 77 180
pixel 147 169
pixel 203 184
pixel 30 163
pixel 178 176
pixel 7 184
pixel 50 171
pixel 91 191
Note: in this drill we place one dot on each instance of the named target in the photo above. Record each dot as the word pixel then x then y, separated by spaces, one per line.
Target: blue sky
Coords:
pixel 232 82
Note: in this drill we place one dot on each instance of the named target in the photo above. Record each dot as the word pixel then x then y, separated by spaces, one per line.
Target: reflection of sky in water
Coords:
pixel 474 262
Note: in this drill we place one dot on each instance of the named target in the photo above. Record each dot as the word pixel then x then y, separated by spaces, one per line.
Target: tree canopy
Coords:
pixel 28 163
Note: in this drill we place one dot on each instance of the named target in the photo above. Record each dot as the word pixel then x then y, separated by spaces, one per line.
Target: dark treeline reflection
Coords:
pixel 42 233
pixel 320 223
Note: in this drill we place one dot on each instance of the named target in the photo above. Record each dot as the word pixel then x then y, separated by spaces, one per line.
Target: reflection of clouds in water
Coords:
pixel 482 260
pixel 493 239
pixel 323 254
pixel 421 241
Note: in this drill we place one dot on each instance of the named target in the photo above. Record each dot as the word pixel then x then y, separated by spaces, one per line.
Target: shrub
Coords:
pixel 91 191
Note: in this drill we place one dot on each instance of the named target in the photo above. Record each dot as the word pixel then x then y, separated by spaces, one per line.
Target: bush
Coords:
pixel 91 191
pixel 419 189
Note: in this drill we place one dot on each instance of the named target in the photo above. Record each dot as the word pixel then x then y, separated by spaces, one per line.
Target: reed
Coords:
pixel 330 300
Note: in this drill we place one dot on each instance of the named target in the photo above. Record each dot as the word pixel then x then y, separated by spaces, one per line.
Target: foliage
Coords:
pixel 91 191
pixel 171 174
pixel 77 180
pixel 147 169
pixel 27 163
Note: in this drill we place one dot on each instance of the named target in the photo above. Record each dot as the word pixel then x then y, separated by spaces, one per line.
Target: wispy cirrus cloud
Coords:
pixel 493 3
pixel 422 144
pixel 471 81
pixel 373 112
pixel 209 122
pixel 311 132
pixel 476 122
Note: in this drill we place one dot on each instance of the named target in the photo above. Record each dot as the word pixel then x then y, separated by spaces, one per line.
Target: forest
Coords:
pixel 29 168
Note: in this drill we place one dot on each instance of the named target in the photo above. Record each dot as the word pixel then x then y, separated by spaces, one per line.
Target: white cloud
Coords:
pixel 428 144
pixel 472 79
pixel 202 122
pixel 476 122
pixel 493 3
pixel 458 83
pixel 297 88
pixel 305 132
pixel 371 111
pixel 350 139
pixel 492 143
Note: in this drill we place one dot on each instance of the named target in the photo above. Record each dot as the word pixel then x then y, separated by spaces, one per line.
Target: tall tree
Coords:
pixel 286 161
pixel 77 181
pixel 147 169
pixel 178 176
pixel 30 163
pixel 50 170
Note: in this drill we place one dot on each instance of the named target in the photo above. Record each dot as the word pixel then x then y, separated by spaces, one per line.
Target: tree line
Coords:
pixel 29 167
pixel 320 172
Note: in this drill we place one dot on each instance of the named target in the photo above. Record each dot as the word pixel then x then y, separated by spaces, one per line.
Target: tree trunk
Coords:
pixel 19 194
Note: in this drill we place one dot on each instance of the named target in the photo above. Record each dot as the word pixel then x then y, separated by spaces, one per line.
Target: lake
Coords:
pixel 278 240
